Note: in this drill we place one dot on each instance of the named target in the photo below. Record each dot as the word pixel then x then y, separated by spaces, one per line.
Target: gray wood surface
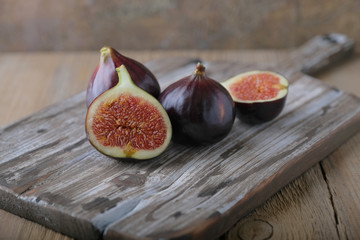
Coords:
pixel 51 175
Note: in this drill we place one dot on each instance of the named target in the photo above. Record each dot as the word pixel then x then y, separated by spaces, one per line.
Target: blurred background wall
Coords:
pixel 42 25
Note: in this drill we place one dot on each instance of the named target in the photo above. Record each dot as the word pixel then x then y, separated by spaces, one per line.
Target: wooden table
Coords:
pixel 321 204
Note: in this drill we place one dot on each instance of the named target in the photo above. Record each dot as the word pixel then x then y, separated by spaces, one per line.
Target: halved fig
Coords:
pixel 105 76
pixel 259 96
pixel 127 122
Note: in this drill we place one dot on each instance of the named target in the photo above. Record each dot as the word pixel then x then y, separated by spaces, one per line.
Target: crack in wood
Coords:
pixel 336 218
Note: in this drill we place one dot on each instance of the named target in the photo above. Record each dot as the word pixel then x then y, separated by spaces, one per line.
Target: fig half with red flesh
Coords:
pixel 127 122
pixel 105 76
pixel 259 96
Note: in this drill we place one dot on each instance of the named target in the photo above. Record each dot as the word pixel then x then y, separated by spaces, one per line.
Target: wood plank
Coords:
pixel 343 179
pixel 306 209
pixel 31 63
pixel 303 205
pixel 16 228
pixel 57 173
pixel 341 169
pixel 309 207
pixel 35 190
pixel 216 185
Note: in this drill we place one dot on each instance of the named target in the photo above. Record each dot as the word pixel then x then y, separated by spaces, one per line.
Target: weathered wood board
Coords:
pixel 50 174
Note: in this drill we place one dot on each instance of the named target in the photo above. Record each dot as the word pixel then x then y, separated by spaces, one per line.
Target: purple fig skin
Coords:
pixel 201 110
pixel 106 77
pixel 259 112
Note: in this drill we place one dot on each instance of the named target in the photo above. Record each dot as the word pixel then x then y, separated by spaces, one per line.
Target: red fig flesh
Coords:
pixel 200 109
pixel 105 76
pixel 127 122
pixel 259 96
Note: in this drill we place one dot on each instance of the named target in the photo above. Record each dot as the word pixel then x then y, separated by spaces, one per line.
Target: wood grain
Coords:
pixel 314 209
pixel 342 178
pixel 183 190
pixel 294 190
pixel 320 204
pixel 291 205
pixel 14 227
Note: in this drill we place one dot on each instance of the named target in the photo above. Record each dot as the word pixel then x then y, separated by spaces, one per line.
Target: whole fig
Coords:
pixel 200 109
pixel 105 76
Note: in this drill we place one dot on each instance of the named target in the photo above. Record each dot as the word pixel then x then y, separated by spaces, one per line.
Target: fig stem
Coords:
pixel 104 54
pixel 124 77
pixel 200 69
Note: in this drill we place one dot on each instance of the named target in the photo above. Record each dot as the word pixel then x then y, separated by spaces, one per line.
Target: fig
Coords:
pixel 127 122
pixel 201 110
pixel 259 96
pixel 105 77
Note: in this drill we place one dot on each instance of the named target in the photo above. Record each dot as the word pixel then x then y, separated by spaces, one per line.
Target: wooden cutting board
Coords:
pixel 50 173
